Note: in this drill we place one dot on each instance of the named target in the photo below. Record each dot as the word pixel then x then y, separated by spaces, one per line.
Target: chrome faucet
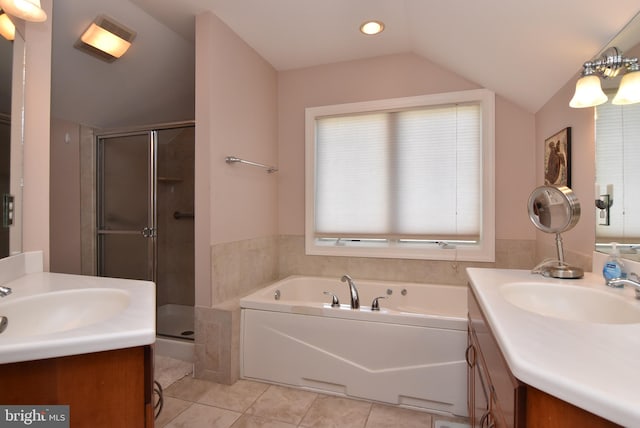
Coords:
pixel 4 291
pixel 621 282
pixel 355 300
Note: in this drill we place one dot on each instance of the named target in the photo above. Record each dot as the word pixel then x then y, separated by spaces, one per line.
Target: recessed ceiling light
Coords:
pixel 371 28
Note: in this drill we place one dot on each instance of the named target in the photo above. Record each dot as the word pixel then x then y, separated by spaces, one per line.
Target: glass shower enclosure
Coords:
pixel 145 217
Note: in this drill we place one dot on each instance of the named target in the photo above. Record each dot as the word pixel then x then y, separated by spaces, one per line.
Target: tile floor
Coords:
pixel 195 403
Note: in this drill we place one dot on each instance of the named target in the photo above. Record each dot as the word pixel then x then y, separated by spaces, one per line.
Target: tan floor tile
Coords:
pixel 168 370
pixel 201 416
pixel 452 422
pixel 282 404
pixel 328 411
pixel 248 421
pixel 237 397
pixel 188 389
pixel 390 417
pixel 171 408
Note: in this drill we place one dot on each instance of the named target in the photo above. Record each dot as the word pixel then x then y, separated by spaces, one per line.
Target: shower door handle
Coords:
pixel 149 232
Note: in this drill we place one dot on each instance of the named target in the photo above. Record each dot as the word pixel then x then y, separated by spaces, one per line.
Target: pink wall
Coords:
pixel 554 116
pixel 35 227
pixel 236 92
pixel 242 120
pixel 389 77
pixel 65 197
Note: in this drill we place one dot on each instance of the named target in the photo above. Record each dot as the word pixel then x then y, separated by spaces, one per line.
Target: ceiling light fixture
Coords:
pixel 7 29
pixel 106 39
pixel 29 10
pixel 589 90
pixel 371 28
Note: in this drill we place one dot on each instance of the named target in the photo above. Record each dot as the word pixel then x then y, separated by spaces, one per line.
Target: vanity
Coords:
pixel 80 341
pixel 546 352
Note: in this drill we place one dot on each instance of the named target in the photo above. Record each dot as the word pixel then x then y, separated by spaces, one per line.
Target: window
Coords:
pixel 402 178
pixel 617 154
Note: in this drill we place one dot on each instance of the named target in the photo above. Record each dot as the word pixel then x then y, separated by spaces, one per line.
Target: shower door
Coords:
pixel 126 206
pixel 146 218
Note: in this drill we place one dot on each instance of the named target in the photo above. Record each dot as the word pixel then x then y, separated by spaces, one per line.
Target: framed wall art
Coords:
pixel 557 159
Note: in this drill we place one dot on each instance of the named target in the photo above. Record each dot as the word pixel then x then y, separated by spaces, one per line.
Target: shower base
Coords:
pixel 175 321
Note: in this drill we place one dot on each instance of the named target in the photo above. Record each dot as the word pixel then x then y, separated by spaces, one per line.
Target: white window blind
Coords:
pixel 617 145
pixel 403 174
pixel 402 177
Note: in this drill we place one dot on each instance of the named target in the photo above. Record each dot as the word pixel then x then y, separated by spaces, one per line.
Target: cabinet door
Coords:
pixel 478 388
pixel 504 393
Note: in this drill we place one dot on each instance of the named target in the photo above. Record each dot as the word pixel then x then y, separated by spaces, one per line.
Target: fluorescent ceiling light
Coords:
pixel 107 42
pixel 106 39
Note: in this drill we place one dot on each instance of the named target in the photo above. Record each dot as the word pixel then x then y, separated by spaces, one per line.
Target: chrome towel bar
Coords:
pixel 233 159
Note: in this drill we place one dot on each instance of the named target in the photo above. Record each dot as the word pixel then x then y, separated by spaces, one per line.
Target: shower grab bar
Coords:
pixel 233 159
pixel 178 215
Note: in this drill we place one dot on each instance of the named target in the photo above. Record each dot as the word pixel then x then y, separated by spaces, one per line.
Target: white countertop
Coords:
pixel 132 325
pixel 590 365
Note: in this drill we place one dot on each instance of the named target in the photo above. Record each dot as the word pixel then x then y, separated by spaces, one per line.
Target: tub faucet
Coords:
pixel 4 291
pixel 355 300
pixel 621 282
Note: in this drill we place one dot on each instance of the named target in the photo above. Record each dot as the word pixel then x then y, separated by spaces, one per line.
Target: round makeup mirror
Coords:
pixel 555 210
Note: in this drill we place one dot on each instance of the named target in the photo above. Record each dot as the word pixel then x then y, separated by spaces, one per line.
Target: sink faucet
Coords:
pixel 621 282
pixel 4 291
pixel 355 300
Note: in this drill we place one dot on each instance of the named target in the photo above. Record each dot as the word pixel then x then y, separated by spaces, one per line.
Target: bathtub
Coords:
pixel 409 353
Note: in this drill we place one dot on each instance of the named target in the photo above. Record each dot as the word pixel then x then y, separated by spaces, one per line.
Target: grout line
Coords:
pixel 299 424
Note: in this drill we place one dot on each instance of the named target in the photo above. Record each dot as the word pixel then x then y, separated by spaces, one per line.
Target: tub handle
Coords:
pixel 375 306
pixel 335 303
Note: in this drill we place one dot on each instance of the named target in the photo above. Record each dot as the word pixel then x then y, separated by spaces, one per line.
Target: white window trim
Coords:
pixel 482 252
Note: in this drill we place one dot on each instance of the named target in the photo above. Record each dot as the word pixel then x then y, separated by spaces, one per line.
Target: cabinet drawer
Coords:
pixel 507 391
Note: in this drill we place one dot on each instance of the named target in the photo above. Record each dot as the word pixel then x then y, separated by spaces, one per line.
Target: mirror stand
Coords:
pixel 555 210
pixel 562 269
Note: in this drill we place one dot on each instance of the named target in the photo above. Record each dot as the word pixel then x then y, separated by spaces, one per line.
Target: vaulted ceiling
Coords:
pixel 523 50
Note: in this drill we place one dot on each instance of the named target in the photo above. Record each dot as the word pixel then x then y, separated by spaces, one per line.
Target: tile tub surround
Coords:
pixel 197 403
pixel 217 343
pixel 238 268
pixel 292 260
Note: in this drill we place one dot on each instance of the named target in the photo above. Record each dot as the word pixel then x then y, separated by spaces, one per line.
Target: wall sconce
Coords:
pixel 603 203
pixel 7 29
pixel 29 10
pixel 588 90
pixel 105 39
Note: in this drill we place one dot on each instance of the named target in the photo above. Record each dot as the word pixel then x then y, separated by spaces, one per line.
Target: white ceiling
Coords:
pixel 524 50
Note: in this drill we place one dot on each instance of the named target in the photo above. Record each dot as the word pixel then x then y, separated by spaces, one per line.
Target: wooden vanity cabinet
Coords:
pixel 497 399
pixel 103 389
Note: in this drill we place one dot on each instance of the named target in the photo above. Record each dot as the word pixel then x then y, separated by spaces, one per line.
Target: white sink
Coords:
pixel 572 302
pixel 61 310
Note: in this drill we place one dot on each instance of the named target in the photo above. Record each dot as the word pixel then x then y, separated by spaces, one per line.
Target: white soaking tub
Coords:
pixel 410 353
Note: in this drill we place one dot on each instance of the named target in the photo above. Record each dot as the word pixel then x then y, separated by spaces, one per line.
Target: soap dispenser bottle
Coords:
pixel 613 267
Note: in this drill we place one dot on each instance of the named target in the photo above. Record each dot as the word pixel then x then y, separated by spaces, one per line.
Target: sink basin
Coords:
pixel 577 303
pixel 61 311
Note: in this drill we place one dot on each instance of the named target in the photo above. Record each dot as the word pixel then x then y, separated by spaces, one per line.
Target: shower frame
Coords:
pixel 149 230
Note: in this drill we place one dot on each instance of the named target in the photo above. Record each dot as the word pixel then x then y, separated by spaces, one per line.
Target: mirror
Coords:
pixel 617 183
pixel 11 134
pixel 555 210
